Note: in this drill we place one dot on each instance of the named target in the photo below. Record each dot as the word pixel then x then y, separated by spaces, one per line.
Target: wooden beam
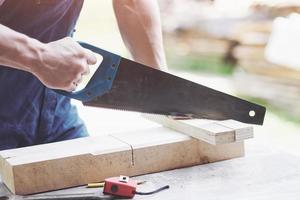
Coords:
pixel 64 164
pixel 76 162
pixel 213 132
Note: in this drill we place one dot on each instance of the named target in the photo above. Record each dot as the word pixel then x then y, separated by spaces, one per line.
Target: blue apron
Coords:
pixel 30 113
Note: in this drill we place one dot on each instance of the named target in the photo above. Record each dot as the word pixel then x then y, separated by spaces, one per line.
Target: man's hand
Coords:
pixel 58 65
pixel 63 63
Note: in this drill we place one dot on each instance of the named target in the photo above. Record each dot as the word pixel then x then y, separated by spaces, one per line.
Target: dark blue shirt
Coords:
pixel 30 113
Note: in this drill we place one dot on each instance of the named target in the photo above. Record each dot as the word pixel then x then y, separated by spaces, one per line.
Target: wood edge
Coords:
pixel 7 176
pixel 207 136
pixel 218 152
pixel 181 127
pixel 242 131
pixel 18 171
pixel 225 138
pixel 163 140
pixel 186 147
pixel 1 165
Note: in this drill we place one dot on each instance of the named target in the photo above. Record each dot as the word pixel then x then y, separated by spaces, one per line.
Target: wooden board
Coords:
pixel 193 44
pixel 76 162
pixel 265 68
pixel 213 132
pixel 63 164
pixel 247 52
pixel 265 173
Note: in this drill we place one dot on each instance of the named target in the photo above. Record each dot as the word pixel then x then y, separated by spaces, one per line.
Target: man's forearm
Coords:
pixel 140 27
pixel 58 65
pixel 18 50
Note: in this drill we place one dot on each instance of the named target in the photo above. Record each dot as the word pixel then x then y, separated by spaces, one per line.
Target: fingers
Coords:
pixel 72 87
pixel 91 58
pixel 74 84
pixel 88 54
pixel 67 62
pixel 86 71
pixel 78 79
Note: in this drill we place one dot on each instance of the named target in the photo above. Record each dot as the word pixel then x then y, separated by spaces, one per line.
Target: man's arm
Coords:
pixel 58 65
pixel 140 27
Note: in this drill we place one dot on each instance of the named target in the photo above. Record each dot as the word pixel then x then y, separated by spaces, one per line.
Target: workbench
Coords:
pixel 264 173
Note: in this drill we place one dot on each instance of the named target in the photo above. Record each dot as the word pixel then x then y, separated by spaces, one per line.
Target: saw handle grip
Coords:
pixel 101 81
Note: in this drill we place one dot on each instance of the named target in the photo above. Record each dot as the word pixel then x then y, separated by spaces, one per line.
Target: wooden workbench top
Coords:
pixel 264 173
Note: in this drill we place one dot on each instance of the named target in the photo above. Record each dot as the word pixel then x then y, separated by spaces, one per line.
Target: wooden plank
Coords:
pixel 265 68
pixel 159 149
pixel 249 52
pixel 77 162
pixel 195 44
pixel 174 150
pixel 253 33
pixel 213 132
pixel 242 131
pixel 64 164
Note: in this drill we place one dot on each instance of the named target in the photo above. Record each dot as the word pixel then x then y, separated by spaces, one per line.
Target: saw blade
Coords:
pixel 140 88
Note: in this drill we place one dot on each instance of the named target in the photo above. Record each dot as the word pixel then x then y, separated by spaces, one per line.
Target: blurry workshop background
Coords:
pixel 246 48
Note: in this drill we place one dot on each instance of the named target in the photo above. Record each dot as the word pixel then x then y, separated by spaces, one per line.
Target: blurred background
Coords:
pixel 246 48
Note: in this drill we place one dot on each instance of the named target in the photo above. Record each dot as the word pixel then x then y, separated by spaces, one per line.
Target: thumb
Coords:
pixel 90 57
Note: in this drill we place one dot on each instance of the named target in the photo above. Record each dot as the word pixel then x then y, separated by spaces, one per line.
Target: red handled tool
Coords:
pixel 124 187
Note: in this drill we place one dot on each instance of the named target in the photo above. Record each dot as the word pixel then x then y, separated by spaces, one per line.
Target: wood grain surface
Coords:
pixel 92 159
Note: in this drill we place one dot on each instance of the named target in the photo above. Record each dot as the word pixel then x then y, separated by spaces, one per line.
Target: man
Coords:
pixel 36 56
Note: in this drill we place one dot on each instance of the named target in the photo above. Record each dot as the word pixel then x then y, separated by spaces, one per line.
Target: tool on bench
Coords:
pixel 113 187
pixel 95 185
pixel 124 187
pixel 119 83
pixel 101 184
pixel 82 196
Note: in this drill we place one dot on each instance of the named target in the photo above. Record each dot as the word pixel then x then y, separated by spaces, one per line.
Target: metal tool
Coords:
pixel 125 187
pixel 101 184
pixel 120 186
pixel 75 196
pixel 119 83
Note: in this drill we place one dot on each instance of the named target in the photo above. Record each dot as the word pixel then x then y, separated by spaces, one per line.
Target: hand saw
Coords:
pixel 120 83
